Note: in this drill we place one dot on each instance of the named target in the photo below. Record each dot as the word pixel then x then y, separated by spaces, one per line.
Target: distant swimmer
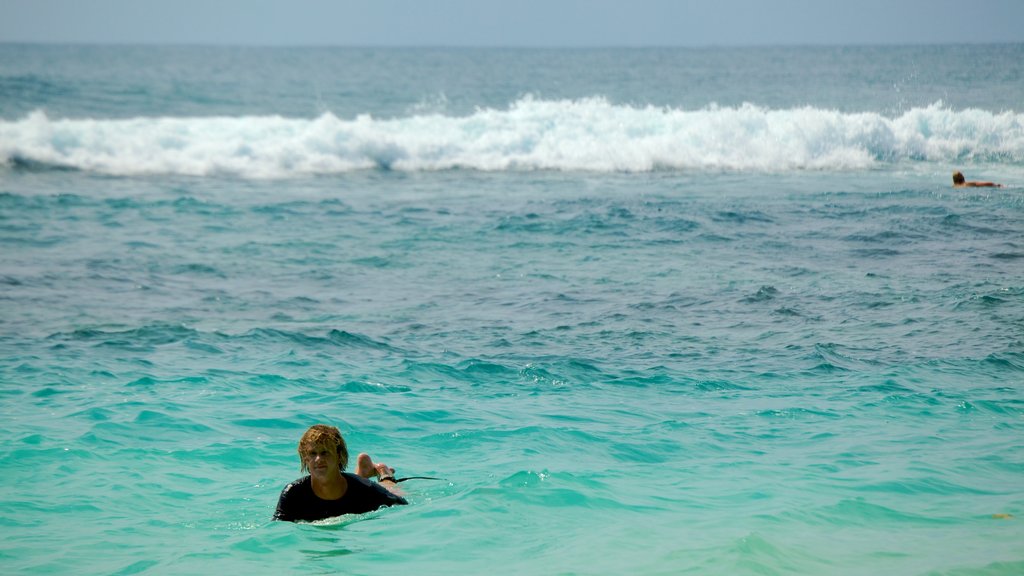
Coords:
pixel 960 182
pixel 328 491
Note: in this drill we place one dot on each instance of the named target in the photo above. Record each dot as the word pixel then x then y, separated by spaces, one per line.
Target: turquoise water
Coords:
pixel 644 311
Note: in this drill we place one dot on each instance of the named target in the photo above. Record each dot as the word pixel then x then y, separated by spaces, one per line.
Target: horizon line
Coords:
pixel 155 44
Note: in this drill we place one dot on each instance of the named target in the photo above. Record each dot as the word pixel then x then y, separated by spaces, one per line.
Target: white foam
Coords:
pixel 590 134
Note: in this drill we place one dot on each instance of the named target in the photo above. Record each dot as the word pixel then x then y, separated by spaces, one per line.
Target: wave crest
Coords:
pixel 572 135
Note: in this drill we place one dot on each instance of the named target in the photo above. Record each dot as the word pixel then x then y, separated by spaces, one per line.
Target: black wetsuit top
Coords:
pixel 298 502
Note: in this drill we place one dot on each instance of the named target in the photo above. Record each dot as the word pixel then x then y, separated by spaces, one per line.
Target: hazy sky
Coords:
pixel 512 22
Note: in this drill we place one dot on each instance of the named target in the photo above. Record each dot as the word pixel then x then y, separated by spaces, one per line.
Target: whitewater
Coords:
pixel 585 135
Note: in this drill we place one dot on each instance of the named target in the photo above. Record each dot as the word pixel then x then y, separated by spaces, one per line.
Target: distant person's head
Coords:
pixel 321 437
pixel 958 177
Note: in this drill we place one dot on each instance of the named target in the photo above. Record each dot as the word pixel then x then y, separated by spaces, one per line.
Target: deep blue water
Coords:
pixel 645 311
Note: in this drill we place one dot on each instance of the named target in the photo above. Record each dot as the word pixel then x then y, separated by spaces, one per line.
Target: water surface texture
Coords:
pixel 646 311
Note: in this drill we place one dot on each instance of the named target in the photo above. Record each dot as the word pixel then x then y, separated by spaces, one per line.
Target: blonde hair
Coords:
pixel 326 436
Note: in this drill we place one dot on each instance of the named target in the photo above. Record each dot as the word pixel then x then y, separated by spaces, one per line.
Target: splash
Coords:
pixel 531 134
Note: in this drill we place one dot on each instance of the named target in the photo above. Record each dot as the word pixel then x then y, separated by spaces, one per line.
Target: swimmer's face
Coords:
pixel 322 438
pixel 321 459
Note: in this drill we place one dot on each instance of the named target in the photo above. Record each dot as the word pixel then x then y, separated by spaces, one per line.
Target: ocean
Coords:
pixel 642 311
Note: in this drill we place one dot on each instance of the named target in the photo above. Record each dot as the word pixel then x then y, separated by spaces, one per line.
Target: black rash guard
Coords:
pixel 298 502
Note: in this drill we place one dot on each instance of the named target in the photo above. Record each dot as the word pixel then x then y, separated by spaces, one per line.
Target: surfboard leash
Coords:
pixel 397 480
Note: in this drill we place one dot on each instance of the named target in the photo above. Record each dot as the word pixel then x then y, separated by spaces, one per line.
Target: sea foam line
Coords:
pixel 587 135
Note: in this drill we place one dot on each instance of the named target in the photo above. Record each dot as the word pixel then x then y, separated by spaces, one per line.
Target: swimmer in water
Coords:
pixel 328 490
pixel 960 182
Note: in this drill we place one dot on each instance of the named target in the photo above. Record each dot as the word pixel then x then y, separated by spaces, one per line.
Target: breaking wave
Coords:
pixel 531 134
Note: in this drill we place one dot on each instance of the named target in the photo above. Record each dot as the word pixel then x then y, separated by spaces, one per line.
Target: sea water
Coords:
pixel 644 311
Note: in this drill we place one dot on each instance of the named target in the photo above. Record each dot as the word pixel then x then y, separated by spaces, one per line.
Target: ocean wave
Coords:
pixel 531 134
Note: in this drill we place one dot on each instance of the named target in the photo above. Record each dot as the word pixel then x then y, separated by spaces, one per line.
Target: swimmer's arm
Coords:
pixel 284 505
